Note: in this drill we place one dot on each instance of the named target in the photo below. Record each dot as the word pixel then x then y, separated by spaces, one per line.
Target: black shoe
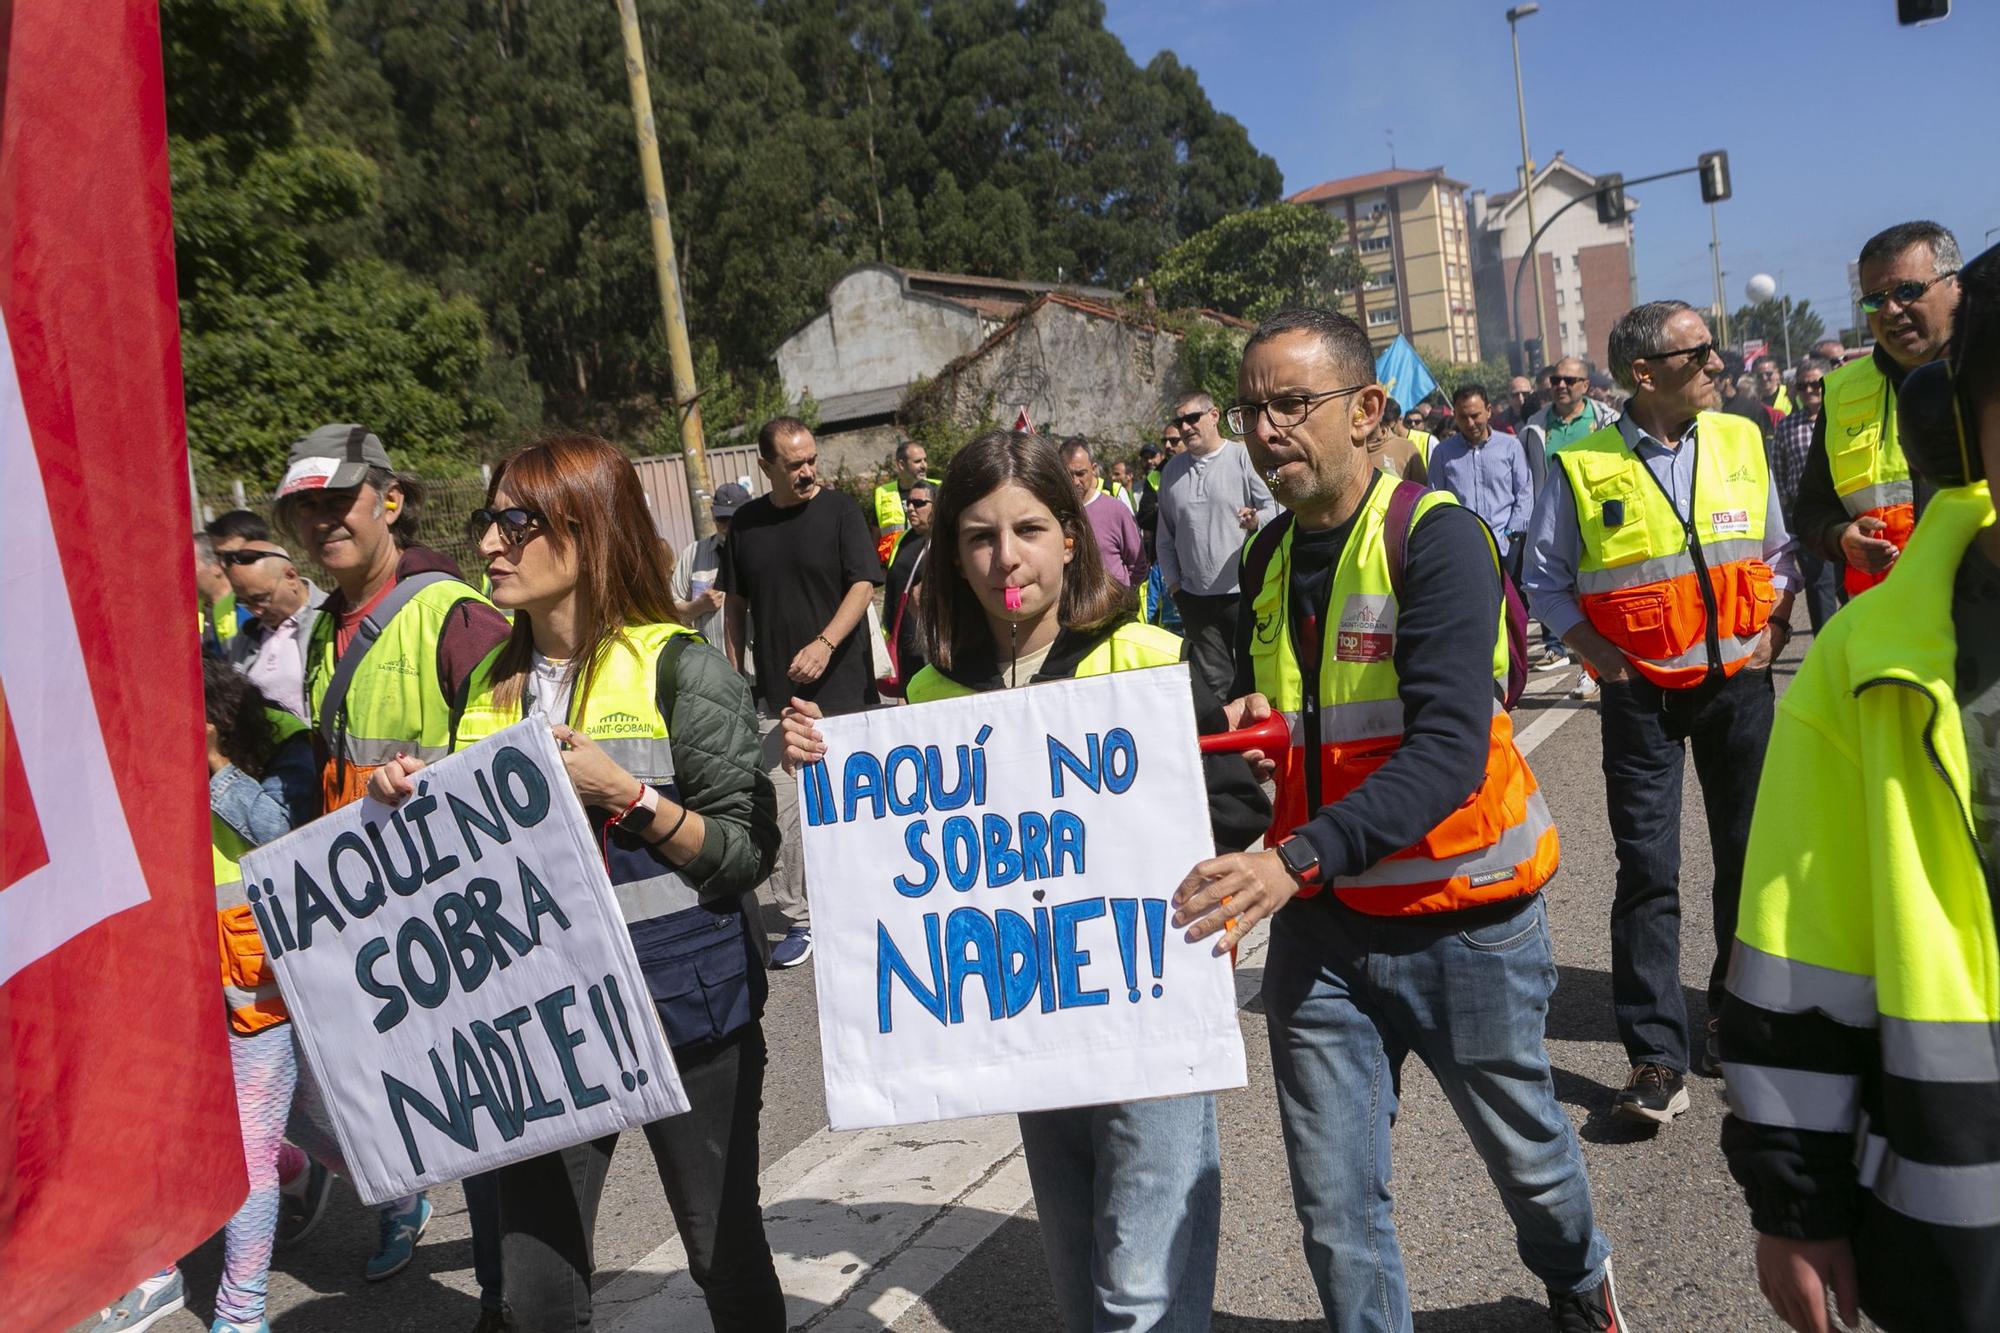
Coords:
pixel 1654 1094
pixel 1592 1311
pixel 299 1213
pixel 496 1321
pixel 1709 1063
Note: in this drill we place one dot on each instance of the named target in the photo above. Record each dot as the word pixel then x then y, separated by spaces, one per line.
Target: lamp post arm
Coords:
pixel 1536 240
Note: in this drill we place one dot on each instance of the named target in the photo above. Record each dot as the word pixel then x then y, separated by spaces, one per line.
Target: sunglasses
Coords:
pixel 1191 419
pixel 516 524
pixel 245 558
pixel 1697 355
pixel 1903 293
pixel 1569 381
pixel 914 503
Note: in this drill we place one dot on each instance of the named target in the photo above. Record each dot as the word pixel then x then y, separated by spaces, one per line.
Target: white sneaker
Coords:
pixel 1585 688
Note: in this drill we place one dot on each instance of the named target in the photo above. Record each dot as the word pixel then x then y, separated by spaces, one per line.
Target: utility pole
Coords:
pixel 1514 17
pixel 687 400
pixel 1715 258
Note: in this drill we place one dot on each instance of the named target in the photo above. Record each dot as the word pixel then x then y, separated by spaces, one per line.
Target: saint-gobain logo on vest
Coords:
pixel 1367 630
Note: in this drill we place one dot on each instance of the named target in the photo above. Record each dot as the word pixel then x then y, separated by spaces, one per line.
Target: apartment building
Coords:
pixel 1410 228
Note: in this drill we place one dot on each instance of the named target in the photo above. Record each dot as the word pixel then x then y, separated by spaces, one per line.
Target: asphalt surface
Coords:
pixel 943 1256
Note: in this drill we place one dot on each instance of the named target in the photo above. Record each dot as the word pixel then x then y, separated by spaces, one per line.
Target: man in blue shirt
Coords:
pixel 1486 469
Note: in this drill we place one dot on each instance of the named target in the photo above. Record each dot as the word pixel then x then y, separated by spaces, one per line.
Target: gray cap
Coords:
pixel 333 458
pixel 729 497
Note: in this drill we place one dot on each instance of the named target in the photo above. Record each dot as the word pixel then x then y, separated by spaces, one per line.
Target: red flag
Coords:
pixel 119 1145
pixel 1021 421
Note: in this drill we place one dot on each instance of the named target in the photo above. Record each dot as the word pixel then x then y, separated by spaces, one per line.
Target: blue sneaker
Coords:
pixel 299 1213
pixel 795 948
pixel 145 1305
pixel 400 1232
pixel 222 1325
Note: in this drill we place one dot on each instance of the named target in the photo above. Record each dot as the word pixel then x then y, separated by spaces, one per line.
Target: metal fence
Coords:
pixel 448 505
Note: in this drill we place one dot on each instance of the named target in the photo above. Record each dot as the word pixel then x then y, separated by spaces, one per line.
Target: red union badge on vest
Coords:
pixel 1730 520
pixel 1367 630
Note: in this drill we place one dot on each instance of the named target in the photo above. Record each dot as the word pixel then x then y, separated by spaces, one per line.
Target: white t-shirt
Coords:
pixel 551 687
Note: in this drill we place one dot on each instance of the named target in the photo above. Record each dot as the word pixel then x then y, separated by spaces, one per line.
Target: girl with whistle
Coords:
pixel 1129 1194
pixel 660 744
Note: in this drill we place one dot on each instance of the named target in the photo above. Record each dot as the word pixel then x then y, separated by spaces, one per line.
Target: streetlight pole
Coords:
pixel 1715 258
pixel 1514 17
pixel 680 360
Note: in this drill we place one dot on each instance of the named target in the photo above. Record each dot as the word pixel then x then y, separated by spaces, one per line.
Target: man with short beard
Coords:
pixel 1856 502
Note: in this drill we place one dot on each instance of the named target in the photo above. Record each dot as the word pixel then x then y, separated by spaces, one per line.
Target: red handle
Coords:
pixel 1273 735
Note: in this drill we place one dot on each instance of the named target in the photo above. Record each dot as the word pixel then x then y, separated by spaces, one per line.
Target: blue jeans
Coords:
pixel 1130 1198
pixel 1347 996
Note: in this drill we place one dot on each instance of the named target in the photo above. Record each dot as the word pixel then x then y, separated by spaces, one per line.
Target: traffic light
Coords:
pixel 1714 177
pixel 1909 12
pixel 1611 197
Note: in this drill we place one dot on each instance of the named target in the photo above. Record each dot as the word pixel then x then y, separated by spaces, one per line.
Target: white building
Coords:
pixel 1589 269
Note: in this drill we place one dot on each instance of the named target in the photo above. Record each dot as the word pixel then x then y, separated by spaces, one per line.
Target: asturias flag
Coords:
pixel 1402 372
pixel 120 1149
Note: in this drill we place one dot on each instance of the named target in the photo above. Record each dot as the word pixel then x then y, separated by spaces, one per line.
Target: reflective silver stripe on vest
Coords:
pixel 363 753
pixel 1516 845
pixel 1941 1052
pixel 238 998
pixel 230 895
pixel 651 760
pixel 661 895
pixel 1733 650
pixel 1881 495
pixel 1787 987
pixel 1946 1196
pixel 1664 568
pixel 1793 1098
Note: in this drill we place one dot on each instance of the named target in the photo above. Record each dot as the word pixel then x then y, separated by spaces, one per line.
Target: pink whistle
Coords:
pixel 1012 596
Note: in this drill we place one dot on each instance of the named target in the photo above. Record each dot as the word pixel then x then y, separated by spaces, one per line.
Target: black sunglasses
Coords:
pixel 1570 380
pixel 241 558
pixel 516 524
pixel 1903 293
pixel 914 503
pixel 1697 355
pixel 1191 419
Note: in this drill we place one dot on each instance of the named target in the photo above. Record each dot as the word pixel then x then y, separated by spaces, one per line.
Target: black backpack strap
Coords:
pixel 1261 549
pixel 333 702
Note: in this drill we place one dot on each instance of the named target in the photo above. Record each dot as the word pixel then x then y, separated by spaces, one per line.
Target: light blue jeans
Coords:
pixel 1130 1199
pixel 1347 997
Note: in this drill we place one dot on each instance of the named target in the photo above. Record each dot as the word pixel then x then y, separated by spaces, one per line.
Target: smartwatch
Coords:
pixel 640 817
pixel 1301 860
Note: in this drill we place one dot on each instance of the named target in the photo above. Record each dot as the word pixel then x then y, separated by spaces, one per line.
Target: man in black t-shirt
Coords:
pixel 800 568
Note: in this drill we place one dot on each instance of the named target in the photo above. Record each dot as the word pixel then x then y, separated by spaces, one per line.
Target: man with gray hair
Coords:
pixel 1658 551
pixel 1856 504
pixel 285 605
pixel 1210 498
pixel 1117 532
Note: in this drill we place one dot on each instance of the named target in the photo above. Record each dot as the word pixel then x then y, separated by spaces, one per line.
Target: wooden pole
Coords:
pixel 687 402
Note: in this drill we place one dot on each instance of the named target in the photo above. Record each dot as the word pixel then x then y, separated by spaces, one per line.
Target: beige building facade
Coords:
pixel 1410 229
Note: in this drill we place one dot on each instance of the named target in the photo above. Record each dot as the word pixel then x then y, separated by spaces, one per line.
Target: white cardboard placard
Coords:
pixel 990 881
pixel 463 984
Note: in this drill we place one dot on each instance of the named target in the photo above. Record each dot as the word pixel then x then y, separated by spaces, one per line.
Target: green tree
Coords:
pixel 1210 358
pixel 283 328
pixel 1766 320
pixel 1252 263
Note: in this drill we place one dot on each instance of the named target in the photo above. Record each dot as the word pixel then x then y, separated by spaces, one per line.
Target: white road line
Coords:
pixel 862 1224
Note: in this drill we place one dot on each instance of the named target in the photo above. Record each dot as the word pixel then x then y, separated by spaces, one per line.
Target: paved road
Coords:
pixel 931 1229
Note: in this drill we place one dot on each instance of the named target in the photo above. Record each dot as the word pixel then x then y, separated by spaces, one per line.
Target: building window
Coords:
pixel 1374 245
pixel 1559 296
pixel 1381 316
pixel 1385 278
pixel 1565 331
pixel 1559 263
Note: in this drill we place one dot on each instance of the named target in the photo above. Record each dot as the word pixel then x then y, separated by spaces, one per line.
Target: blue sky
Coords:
pixel 1791 88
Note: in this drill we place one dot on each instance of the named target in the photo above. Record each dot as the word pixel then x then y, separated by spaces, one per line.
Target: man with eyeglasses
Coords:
pixel 1210 498
pixel 1522 403
pixel 1771 386
pixel 1659 553
pixel 1857 505
pixel 1406 814
pixel 284 605
pixel 1570 416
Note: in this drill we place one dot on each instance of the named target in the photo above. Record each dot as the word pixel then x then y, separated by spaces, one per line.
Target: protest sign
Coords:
pixel 991 880
pixel 463 984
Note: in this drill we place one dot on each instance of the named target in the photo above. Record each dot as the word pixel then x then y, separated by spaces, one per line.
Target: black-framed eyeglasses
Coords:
pixel 915 503
pixel 516 524
pixel 1286 410
pixel 1697 355
pixel 1903 293
pixel 243 558
pixel 1569 381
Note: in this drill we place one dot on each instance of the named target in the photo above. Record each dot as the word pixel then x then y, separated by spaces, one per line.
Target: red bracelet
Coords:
pixel 604 840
